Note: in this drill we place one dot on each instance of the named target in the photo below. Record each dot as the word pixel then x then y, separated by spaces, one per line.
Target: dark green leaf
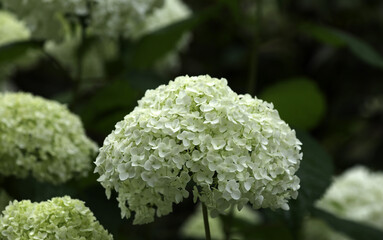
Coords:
pixel 152 47
pixel 15 50
pixel 299 101
pixel 338 38
pixel 107 106
pixel 361 49
pixel 316 169
pixel 323 34
pixel 249 231
pixel 353 229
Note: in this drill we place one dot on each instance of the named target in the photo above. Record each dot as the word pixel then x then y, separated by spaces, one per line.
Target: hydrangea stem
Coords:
pixel 227 223
pixel 206 222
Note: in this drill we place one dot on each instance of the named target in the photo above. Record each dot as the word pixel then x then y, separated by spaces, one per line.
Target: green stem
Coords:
pixel 206 222
pixel 255 49
pixel 228 223
pixel 79 57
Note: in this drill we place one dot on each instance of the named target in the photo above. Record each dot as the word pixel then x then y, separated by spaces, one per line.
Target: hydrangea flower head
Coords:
pixel 355 195
pixel 120 17
pixel 42 138
pixel 49 19
pixel 234 148
pixel 58 218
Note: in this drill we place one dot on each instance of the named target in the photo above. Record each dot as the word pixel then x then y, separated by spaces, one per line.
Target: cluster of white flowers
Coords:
pixel 48 19
pixel 355 195
pixel 93 63
pixel 55 219
pixel 120 17
pixel 234 148
pixel 43 138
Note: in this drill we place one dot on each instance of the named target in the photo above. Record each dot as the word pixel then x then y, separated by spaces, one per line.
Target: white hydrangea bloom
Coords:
pixel 47 18
pixel 42 138
pixel 234 148
pixel 355 195
pixel 120 17
pixel 55 219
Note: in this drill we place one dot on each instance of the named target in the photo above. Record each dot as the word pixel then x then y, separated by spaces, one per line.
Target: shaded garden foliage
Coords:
pixel 319 62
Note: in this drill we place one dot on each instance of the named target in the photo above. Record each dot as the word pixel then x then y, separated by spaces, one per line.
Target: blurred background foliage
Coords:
pixel 319 62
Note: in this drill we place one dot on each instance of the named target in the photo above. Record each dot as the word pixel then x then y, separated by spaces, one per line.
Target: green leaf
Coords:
pixel 250 231
pixel 322 34
pixel 357 231
pixel 361 49
pixel 107 106
pixel 155 45
pixel 299 101
pixel 316 169
pixel 15 50
pixel 338 38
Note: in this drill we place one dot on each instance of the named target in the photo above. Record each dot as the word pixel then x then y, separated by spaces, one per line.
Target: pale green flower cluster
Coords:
pixel 47 19
pixel 55 219
pixel 120 17
pixel 234 148
pixel 42 138
pixel 93 61
pixel 355 195
pixel 51 19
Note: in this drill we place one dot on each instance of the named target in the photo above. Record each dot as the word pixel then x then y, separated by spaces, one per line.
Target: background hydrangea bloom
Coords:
pixel 58 218
pixel 93 63
pixel 42 137
pixel 235 149
pixel 355 195
pixel 48 19
pixel 119 17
